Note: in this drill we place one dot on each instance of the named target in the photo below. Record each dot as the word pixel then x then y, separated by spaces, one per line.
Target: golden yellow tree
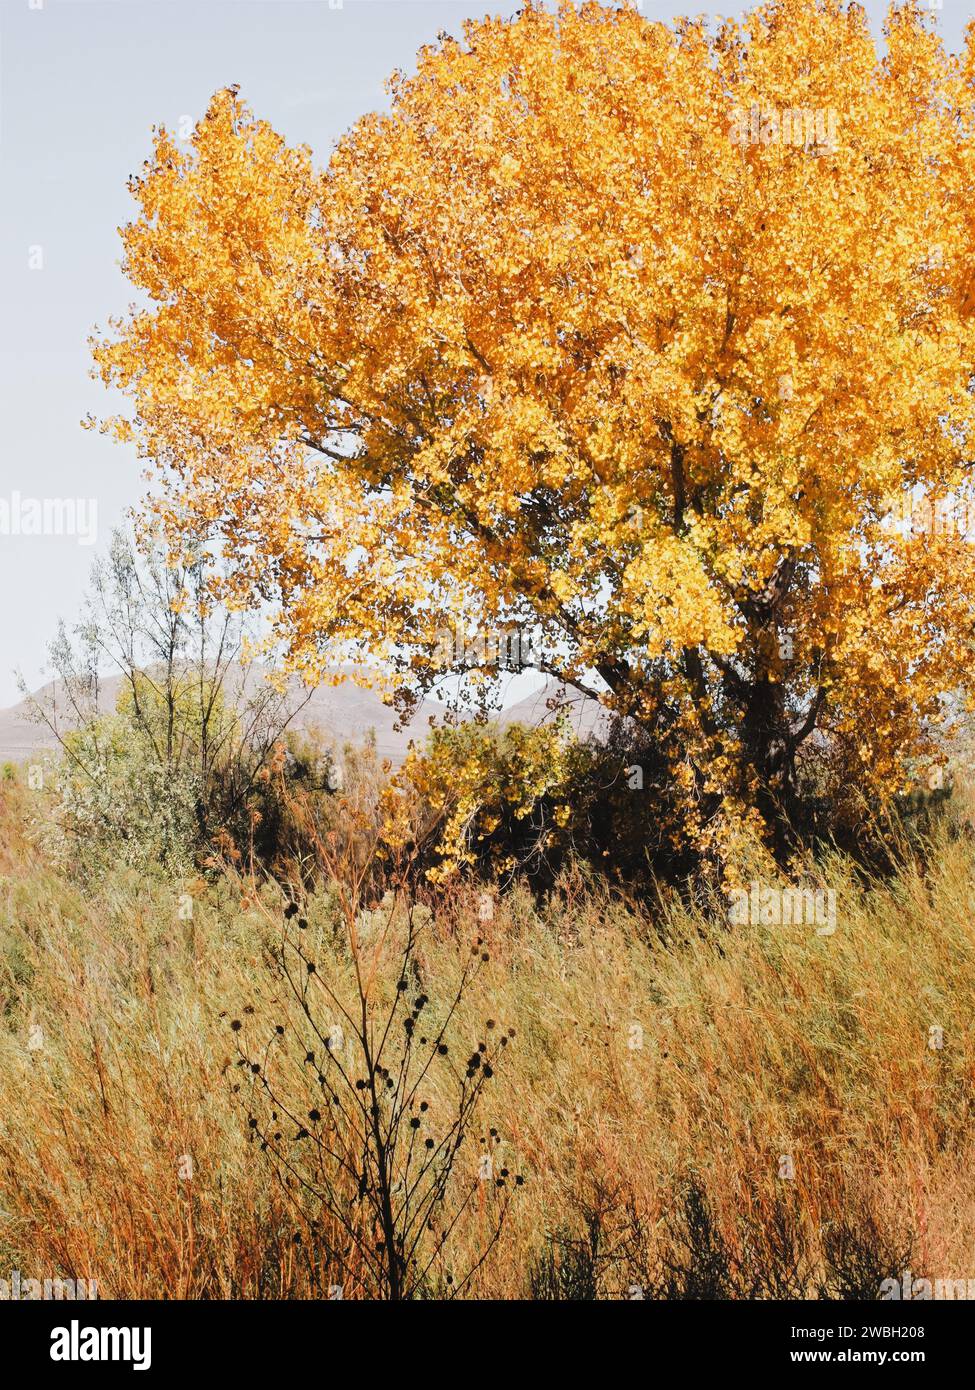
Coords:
pixel 623 333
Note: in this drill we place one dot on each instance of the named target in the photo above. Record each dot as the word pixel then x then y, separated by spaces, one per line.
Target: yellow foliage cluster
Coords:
pixel 470 781
pixel 552 343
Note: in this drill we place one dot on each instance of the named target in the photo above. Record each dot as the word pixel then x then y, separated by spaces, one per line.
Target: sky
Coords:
pixel 82 82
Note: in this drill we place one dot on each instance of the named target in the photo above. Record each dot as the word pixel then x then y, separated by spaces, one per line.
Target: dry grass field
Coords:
pixel 698 1110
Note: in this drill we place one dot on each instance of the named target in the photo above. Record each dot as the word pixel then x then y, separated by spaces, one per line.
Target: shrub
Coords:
pixel 361 1099
pixel 526 801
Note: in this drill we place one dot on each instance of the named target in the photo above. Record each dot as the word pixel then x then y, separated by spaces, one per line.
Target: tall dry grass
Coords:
pixel 664 1065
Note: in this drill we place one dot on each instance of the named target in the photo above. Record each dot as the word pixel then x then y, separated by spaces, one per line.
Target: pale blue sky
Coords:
pixel 81 83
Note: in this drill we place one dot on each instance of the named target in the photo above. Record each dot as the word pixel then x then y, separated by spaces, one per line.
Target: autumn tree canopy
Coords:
pixel 623 333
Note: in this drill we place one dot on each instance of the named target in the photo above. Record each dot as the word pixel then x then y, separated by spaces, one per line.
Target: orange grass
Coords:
pixel 649 1051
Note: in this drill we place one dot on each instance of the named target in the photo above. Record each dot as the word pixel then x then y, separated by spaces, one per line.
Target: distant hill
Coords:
pixel 586 716
pixel 344 713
